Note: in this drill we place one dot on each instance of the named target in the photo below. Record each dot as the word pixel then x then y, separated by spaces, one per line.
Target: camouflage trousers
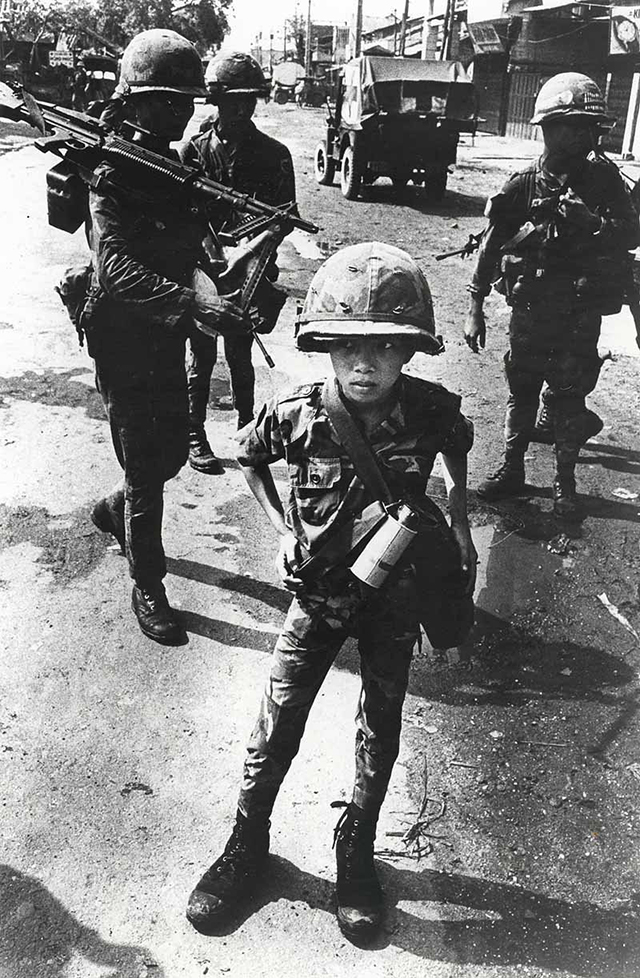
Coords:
pixel 317 624
pixel 570 376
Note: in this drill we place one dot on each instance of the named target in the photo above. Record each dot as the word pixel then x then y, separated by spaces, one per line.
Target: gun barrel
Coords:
pixel 451 254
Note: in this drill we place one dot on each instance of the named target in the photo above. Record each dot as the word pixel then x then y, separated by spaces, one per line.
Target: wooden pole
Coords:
pixel 307 46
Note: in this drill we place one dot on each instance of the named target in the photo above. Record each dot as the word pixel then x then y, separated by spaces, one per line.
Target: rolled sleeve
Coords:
pixel 260 442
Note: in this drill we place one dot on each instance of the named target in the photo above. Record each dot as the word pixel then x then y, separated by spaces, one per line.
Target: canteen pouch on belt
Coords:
pixel 446 611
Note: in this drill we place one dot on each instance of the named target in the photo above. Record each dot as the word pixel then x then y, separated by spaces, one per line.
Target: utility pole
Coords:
pixel 307 46
pixel 284 41
pixel 403 28
pixel 358 30
pixel 449 20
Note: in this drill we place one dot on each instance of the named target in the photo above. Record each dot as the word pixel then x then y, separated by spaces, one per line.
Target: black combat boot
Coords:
pixel 110 519
pixel 233 876
pixel 544 430
pixel 508 480
pixel 358 891
pixel 201 455
pixel 155 616
pixel 565 500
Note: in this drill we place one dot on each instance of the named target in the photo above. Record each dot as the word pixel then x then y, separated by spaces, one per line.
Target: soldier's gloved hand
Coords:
pixel 215 313
pixel 576 213
pixel 287 558
pixel 475 329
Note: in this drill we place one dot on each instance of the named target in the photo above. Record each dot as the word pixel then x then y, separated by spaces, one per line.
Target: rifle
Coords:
pixel 472 245
pixel 83 143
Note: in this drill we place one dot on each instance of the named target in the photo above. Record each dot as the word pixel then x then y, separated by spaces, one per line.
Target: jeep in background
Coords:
pixel 395 117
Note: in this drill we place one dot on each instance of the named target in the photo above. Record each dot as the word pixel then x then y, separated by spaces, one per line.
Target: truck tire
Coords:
pixel 324 166
pixel 349 178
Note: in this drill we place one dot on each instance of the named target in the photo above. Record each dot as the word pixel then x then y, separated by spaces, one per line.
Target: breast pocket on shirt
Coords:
pixel 316 487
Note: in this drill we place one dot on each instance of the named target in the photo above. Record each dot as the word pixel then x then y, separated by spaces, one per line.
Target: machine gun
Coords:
pixel 83 143
pixel 472 245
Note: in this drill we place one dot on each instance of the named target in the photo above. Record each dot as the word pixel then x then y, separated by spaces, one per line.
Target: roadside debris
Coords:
pixel 611 608
pixel 136 786
pixel 560 545
pixel 622 493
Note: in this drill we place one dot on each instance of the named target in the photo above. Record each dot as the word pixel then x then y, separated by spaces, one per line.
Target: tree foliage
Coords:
pixel 204 22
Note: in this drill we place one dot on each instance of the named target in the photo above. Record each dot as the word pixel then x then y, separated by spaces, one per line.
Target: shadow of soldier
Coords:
pixel 464 920
pixel 39 936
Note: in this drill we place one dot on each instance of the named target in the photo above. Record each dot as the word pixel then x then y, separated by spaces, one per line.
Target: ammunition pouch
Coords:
pixel 67 198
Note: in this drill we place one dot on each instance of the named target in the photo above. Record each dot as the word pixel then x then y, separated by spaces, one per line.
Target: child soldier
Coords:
pixel 370 308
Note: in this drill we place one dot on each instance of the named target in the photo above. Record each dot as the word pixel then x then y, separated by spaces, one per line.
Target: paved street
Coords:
pixel 120 759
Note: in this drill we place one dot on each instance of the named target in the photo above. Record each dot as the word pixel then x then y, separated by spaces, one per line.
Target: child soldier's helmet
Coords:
pixel 567 95
pixel 235 73
pixel 161 60
pixel 369 289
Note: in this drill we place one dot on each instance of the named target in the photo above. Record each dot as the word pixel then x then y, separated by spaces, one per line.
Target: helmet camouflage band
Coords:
pixel 567 95
pixel 235 73
pixel 369 289
pixel 161 61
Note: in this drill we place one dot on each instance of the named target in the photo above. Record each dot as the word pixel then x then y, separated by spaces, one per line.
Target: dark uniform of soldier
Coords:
pixel 139 310
pixel 370 308
pixel 234 152
pixel 558 237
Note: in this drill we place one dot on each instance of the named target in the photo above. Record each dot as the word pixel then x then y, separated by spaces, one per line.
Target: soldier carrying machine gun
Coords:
pixel 84 144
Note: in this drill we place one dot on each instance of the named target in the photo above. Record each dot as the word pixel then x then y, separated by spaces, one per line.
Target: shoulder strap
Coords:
pixel 355 443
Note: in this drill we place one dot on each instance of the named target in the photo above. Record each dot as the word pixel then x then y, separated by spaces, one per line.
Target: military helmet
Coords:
pixel 569 95
pixel 235 73
pixel 161 60
pixel 368 289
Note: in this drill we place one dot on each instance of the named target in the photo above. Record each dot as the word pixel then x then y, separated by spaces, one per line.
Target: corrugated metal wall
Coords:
pixel 525 85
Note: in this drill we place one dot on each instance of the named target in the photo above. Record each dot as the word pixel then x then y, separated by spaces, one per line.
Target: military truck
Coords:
pixel 395 117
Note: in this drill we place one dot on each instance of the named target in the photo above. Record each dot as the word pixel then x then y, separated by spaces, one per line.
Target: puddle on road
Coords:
pixel 305 245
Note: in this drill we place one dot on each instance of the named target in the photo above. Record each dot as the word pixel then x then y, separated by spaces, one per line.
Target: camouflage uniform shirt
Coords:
pixel 324 490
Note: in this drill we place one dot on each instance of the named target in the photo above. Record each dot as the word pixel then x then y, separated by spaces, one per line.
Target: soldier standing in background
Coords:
pixel 234 152
pixel 558 236
pixel 139 309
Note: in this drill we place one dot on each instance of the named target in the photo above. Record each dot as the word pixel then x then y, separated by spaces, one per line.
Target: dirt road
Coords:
pixel 119 759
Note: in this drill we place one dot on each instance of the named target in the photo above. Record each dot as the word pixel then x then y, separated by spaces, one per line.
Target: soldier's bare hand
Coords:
pixel 468 556
pixel 475 330
pixel 287 558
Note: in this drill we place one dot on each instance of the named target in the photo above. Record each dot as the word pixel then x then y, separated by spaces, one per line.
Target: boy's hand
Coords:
pixel 287 558
pixel 468 556
pixel 475 329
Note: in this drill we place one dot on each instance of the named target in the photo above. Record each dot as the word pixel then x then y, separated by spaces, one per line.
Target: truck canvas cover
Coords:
pixel 405 85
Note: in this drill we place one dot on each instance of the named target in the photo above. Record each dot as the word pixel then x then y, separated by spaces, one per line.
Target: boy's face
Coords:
pixel 368 367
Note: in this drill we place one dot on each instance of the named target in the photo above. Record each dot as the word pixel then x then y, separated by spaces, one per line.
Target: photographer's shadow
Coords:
pixel 465 920
pixel 39 937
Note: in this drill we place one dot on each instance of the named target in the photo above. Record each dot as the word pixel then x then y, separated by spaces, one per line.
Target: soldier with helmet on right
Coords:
pixel 557 247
